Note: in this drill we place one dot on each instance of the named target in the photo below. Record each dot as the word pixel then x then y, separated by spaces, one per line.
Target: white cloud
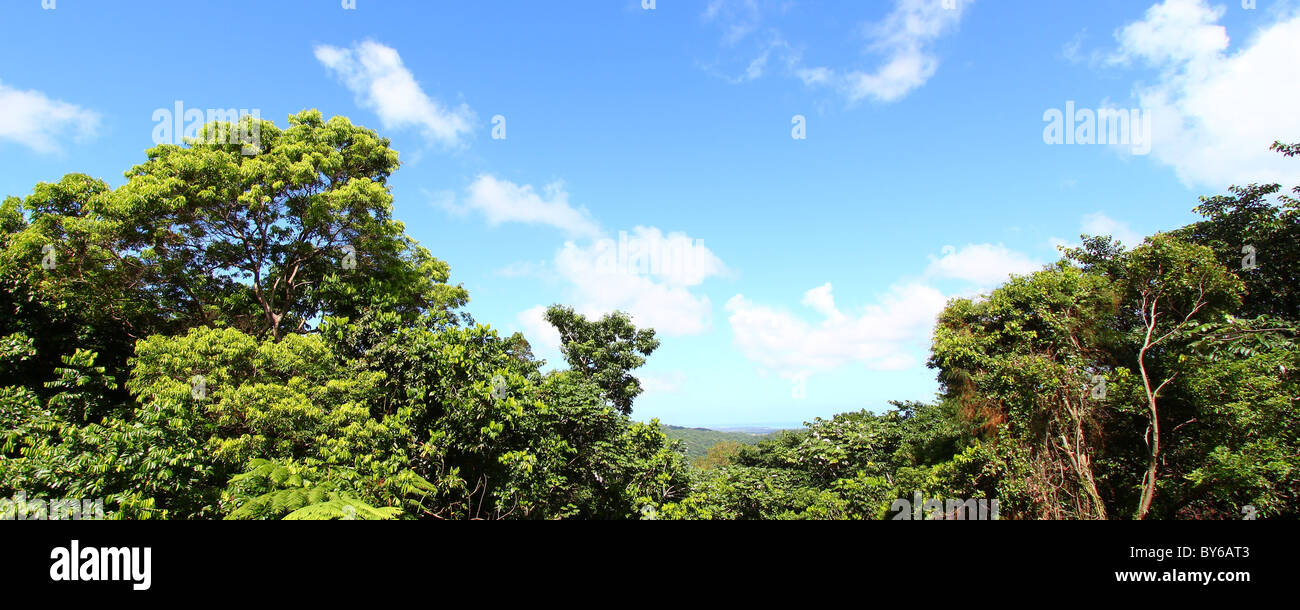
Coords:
pixel 739 18
pixel 502 201
pixel 674 258
pixel 1070 50
pixel 34 120
pixel 815 76
pixel 884 336
pixel 663 302
pixel 645 273
pixel 983 265
pixel 903 40
pixel 1100 224
pixel 376 75
pixel 758 66
pixel 822 301
pixel 537 330
pixel 1174 31
pixel 1215 112
pixel 891 334
pixel 1060 242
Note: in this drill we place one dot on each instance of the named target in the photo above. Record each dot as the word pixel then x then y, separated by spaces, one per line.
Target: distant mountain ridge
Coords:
pixel 697 441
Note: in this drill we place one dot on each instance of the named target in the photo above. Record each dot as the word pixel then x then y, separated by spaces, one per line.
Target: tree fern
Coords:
pixel 345 508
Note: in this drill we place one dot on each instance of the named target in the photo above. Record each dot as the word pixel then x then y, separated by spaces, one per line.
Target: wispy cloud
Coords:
pixel 376 75
pixel 1098 223
pixel 32 119
pixel 891 333
pixel 902 42
pixel 738 18
pixel 502 201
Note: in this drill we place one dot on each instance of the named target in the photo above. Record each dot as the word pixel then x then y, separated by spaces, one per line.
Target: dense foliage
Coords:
pixel 1157 382
pixel 699 442
pixel 253 336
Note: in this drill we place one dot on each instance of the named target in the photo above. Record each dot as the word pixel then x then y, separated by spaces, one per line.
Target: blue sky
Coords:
pixel 810 268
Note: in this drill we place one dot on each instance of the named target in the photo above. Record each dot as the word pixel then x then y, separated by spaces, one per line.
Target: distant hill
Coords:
pixel 698 440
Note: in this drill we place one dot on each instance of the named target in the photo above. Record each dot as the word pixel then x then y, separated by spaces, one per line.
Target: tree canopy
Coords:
pixel 250 334
pixel 254 336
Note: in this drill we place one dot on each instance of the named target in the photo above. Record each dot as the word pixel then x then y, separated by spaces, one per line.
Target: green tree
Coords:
pixel 1177 284
pixel 605 351
pixel 290 353
pixel 202 234
pixel 1022 360
pixel 1258 240
pixel 722 453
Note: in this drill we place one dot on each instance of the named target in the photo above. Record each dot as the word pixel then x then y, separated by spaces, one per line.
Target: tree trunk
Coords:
pixel 1149 480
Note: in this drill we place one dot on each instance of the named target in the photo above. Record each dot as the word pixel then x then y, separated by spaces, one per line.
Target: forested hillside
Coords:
pixel 230 336
pixel 696 442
